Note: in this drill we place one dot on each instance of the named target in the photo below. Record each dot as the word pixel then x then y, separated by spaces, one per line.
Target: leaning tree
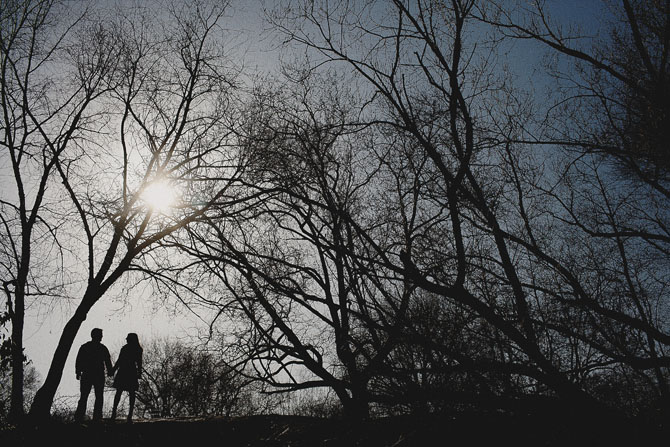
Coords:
pixel 48 92
pixel 148 109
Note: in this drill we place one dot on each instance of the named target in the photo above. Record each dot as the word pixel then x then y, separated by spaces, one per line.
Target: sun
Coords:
pixel 160 196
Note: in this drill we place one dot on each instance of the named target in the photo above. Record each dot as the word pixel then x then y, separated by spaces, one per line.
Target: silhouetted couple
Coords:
pixel 92 360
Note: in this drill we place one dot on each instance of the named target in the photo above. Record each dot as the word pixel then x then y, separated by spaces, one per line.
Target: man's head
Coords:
pixel 96 334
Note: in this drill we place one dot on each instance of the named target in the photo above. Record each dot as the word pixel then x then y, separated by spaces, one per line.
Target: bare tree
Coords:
pixel 163 124
pixel 46 106
pixel 317 318
pixel 510 252
pixel 608 116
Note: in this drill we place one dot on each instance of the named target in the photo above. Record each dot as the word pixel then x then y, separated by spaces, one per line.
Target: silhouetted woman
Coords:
pixel 128 368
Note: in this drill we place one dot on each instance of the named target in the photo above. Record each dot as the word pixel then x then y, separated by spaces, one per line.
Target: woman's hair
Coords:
pixel 133 340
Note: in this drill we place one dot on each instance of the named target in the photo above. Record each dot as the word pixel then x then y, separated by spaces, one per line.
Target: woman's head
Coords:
pixel 132 339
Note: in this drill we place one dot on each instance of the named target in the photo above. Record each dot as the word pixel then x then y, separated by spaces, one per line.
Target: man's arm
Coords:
pixel 78 364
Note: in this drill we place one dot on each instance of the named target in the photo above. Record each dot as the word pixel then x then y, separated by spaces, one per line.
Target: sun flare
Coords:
pixel 160 196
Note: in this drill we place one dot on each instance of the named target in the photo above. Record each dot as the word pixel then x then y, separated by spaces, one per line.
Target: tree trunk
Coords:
pixel 356 409
pixel 356 406
pixel 41 407
pixel 17 316
pixel 17 359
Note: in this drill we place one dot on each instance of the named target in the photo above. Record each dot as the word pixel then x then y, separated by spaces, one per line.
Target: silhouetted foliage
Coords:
pixel 30 383
pixel 181 380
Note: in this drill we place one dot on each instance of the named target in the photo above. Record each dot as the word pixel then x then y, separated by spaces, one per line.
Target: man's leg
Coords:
pixel 117 398
pixel 85 389
pixel 98 388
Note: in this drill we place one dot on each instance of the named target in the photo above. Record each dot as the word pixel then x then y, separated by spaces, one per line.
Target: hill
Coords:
pixel 296 431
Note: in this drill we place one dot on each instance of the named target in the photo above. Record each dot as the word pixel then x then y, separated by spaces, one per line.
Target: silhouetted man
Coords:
pixel 92 359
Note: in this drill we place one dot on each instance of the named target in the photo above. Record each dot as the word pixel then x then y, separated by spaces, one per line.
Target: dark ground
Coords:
pixel 464 429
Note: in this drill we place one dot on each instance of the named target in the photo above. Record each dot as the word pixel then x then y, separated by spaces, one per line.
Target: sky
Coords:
pixel 140 314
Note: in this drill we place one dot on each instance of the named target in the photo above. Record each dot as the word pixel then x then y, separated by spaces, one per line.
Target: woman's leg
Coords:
pixel 117 398
pixel 131 404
